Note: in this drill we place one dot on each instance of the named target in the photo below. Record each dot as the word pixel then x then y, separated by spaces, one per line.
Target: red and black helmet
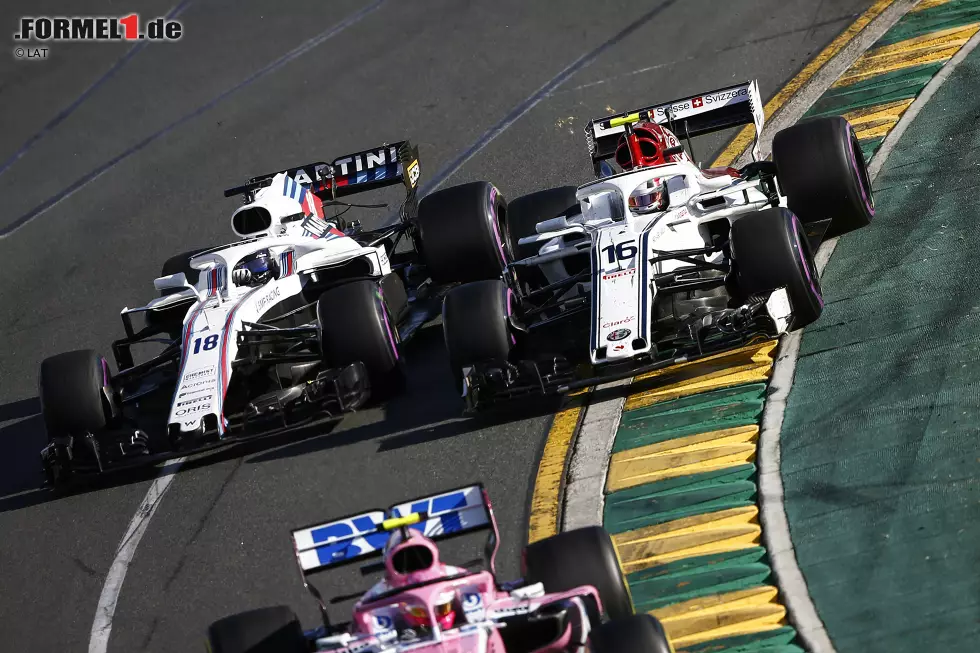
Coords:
pixel 649 142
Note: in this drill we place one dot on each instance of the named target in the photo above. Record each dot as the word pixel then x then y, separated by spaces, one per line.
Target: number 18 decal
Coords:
pixel 621 251
pixel 209 343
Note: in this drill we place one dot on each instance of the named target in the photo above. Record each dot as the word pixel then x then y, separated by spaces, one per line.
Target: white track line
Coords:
pixel 102 625
pixel 584 496
pixel 775 529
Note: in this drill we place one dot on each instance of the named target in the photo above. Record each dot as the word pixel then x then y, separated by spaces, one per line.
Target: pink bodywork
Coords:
pixel 473 631
pixel 479 603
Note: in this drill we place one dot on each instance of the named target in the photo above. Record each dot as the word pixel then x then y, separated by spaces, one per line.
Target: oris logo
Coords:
pixel 190 410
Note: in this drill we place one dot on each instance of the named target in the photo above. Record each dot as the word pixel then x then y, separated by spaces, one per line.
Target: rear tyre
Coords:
pixel 523 215
pixel 475 324
pixel 525 212
pixel 355 325
pixel 585 556
pixel 181 263
pixel 75 392
pixel 821 169
pixel 266 630
pixel 640 633
pixel 771 251
pixel 460 233
pixel 171 319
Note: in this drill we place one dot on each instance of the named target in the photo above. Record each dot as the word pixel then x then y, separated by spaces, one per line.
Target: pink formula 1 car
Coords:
pixel 572 581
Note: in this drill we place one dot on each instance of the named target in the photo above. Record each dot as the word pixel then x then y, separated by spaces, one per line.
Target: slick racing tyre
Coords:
pixel 771 251
pixel 640 633
pixel 75 393
pixel 585 556
pixel 821 169
pixel 525 212
pixel 476 326
pixel 460 233
pixel 355 325
pixel 266 630
pixel 523 215
pixel 181 263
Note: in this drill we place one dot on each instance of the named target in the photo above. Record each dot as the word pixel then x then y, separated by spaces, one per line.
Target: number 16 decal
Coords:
pixel 209 343
pixel 622 251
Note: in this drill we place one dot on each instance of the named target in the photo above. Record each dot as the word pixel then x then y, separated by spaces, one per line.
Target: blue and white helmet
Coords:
pixel 262 265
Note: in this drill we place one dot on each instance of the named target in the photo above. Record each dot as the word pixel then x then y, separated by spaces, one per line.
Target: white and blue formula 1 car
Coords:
pixel 302 316
pixel 657 261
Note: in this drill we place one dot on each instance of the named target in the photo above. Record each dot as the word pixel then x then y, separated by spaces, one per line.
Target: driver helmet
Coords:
pixel 262 265
pixel 417 616
pixel 650 196
pixel 653 140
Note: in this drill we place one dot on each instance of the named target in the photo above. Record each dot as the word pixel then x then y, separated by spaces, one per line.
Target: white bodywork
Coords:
pixel 219 307
pixel 622 243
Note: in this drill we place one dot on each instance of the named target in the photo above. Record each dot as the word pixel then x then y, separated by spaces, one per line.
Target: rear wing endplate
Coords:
pixel 692 116
pixel 364 535
pixel 387 165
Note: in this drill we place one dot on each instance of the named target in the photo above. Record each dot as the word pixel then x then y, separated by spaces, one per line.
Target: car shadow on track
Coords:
pixel 21 439
pixel 22 481
pixel 427 410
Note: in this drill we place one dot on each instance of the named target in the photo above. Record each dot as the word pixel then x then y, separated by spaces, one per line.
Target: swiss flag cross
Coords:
pixel 697 102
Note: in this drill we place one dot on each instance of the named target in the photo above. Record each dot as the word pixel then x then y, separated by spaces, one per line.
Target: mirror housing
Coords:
pixel 178 280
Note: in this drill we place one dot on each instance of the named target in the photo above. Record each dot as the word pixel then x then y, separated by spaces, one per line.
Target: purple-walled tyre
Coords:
pixel 355 326
pixel 476 326
pixel 461 233
pixel 75 393
pixel 771 251
pixel 821 169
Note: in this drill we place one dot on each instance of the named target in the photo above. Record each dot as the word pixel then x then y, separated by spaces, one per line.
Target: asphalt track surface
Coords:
pixel 135 148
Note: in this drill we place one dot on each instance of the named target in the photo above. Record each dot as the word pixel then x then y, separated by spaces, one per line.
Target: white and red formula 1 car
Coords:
pixel 657 261
pixel 303 314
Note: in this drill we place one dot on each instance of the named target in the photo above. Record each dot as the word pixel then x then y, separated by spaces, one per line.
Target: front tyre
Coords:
pixel 355 325
pixel 461 234
pixel 639 633
pixel 584 556
pixel 821 169
pixel 771 251
pixel 266 630
pixel 181 263
pixel 75 392
pixel 476 326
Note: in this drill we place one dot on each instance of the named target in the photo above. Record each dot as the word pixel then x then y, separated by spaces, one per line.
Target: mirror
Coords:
pixel 178 280
pixel 554 224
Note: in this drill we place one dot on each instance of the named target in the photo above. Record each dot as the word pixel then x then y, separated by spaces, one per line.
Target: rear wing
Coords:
pixel 688 117
pixel 364 535
pixel 387 165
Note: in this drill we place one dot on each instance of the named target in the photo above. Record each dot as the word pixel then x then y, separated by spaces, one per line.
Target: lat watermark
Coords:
pixel 91 28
